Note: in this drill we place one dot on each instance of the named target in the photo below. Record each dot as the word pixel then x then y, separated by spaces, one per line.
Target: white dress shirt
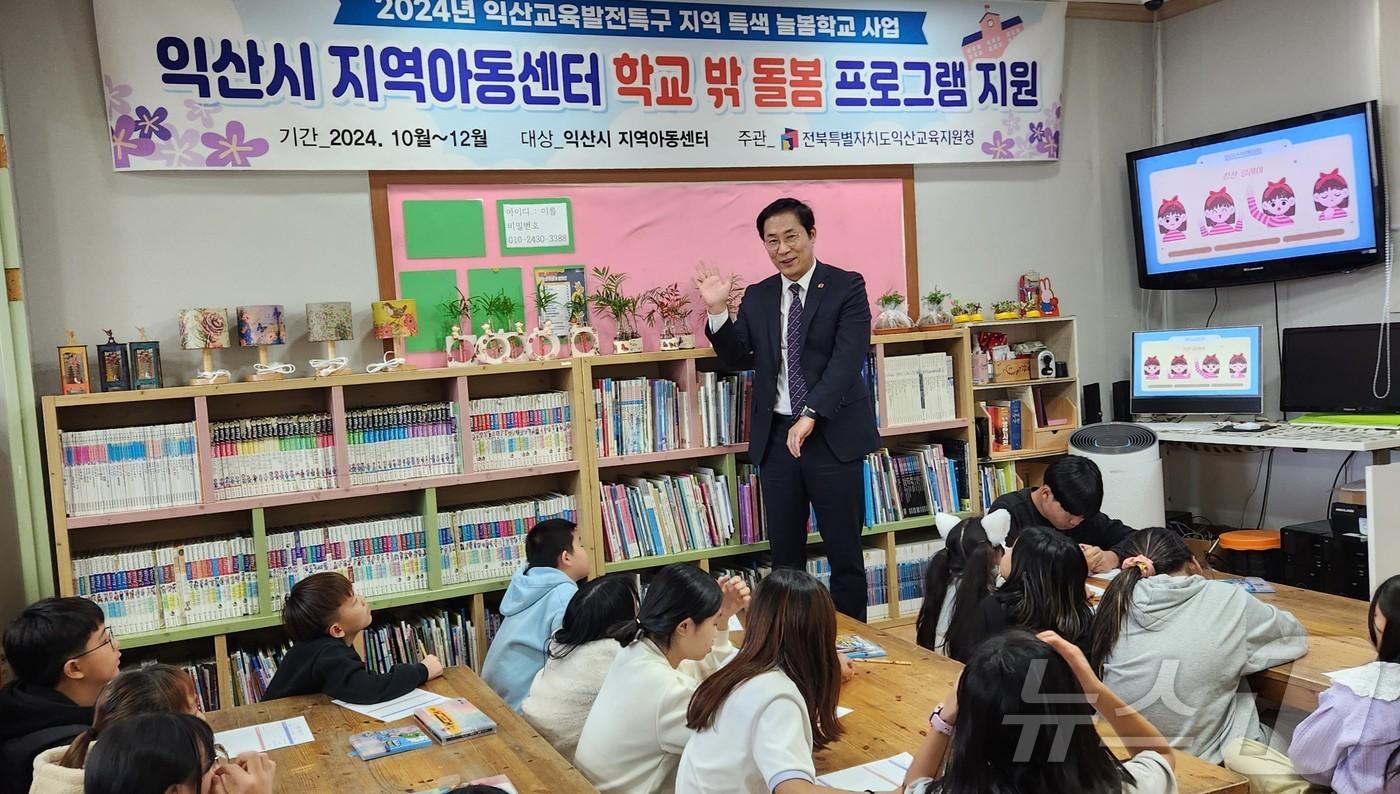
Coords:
pixel 784 400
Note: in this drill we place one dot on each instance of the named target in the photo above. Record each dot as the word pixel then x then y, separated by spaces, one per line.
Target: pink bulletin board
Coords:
pixel 657 232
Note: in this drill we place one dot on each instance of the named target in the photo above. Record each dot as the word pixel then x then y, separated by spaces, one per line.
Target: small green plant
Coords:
pixel 669 305
pixel 578 306
pixel 972 307
pixel 891 300
pixel 499 308
pixel 545 299
pixel 1006 306
pixel 609 298
pixel 936 296
pixel 458 311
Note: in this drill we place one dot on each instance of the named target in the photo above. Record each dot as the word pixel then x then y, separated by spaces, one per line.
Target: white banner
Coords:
pixel 502 84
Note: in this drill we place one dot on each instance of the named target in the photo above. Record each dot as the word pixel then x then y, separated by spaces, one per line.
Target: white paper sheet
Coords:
pixel 880 775
pixel 734 624
pixel 396 709
pixel 264 737
pixel 842 711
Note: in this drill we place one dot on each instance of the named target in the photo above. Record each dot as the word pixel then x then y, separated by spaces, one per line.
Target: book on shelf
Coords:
pixel 919 388
pixel 253 671
pixel 402 442
pixel 204 677
pixel 272 455
pixel 170 585
pixel 454 720
pixel 877 604
pixel 640 415
pixel 911 562
pixel 446 633
pixel 726 407
pixel 521 430
pixel 751 521
pixel 666 514
pixel 1003 418
pixel 382 555
pixel 914 480
pixel 487 541
pixel 122 469
pixel 869 373
pixel 998 479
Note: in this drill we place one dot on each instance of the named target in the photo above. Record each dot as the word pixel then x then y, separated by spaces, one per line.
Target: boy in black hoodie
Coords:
pixel 324 615
pixel 62 654
pixel 1070 501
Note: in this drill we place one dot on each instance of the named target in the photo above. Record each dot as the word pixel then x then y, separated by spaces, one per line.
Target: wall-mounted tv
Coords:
pixel 1287 199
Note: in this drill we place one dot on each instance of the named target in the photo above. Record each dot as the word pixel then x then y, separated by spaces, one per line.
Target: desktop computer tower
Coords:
pixel 1352 576
pixel 1316 558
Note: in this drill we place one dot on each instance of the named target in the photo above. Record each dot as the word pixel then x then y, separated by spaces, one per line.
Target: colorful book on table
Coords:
pixel 390 741
pixel 858 647
pixel 455 719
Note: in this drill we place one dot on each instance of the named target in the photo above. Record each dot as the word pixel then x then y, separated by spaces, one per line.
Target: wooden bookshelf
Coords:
pixel 580 477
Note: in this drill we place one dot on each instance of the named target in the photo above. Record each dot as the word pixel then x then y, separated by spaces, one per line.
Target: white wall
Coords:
pixel 1242 62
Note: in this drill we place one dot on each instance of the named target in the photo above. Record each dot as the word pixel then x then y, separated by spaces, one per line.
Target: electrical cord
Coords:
pixel 1268 478
pixel 1278 329
pixel 1213 304
pixel 1244 508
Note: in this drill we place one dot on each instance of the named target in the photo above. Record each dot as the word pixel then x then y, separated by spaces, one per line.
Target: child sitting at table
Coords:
pixel 634 735
pixel 533 607
pixel 1045 591
pixel 601 620
pixel 171 754
pixel 1352 742
pixel 961 574
pixel 324 615
pixel 999 733
pixel 757 719
pixel 1181 645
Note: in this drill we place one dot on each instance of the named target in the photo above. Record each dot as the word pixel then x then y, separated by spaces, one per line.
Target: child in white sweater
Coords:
pixel 601 620
pixel 634 736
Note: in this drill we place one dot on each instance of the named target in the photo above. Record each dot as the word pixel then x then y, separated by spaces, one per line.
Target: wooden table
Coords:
pixel 514 750
pixel 1337 640
pixel 892 703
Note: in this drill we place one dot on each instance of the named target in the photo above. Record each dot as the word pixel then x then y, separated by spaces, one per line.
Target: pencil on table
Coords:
pixel 883 661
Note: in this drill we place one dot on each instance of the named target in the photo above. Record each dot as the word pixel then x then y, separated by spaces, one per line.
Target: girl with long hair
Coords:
pixel 166 753
pixel 1351 743
pixel 634 735
pixel 600 621
pixel 1181 644
pixel 1019 720
pixel 758 718
pixel 1045 592
pixel 961 574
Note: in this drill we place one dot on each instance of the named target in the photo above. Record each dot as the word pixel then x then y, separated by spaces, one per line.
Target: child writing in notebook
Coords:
pixel 1019 721
pixel 633 738
pixel 163 753
pixel 1181 644
pixel 1351 743
pixel 962 573
pixel 758 718
pixel 533 607
pixel 1045 591
pixel 601 620
pixel 324 615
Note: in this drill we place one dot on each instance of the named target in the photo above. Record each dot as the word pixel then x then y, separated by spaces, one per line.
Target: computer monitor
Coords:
pixel 1197 371
pixel 1332 369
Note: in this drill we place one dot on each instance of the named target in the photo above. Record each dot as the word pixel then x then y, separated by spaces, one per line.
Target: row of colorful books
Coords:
pixel 915 480
pixel 1004 424
pixel 911 561
pixel 640 415
pixel 445 633
pixel 997 479
pixel 204 675
pixel 380 555
pixel 272 455
pixel 169 585
pixel 487 541
pixel 521 430
pixel 751 516
pixel 666 514
pixel 919 388
pixel 129 468
pixel 726 404
pixel 253 671
pixel 877 599
pixel 403 442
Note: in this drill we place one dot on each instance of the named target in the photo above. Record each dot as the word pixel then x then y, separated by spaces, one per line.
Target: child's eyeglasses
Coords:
pixel 109 640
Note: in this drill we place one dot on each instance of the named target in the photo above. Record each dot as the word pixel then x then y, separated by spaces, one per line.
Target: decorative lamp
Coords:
pixel 396 319
pixel 262 327
pixel 330 323
pixel 205 329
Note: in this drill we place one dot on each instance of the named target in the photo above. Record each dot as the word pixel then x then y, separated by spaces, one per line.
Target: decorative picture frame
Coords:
pixel 73 367
pixel 113 365
pixel 145 364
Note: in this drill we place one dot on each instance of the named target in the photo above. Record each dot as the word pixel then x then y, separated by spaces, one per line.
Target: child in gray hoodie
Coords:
pixel 1177 646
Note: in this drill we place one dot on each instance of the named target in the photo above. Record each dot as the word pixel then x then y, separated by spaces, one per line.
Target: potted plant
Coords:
pixel 974 311
pixel 458 311
pixel 1030 309
pixel 932 314
pixel 583 339
pixel 672 307
pixel 498 309
pixel 1006 310
pixel 610 299
pixel 542 343
pixel 892 315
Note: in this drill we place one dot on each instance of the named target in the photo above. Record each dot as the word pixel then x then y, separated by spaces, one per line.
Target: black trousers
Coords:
pixel 835 492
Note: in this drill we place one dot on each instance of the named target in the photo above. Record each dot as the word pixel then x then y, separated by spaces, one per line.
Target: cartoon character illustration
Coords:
pixel 1279 204
pixel 1171 220
pixel 1180 368
pixel 1220 214
pixel 1331 196
pixel 1239 365
pixel 1209 367
pixel 1152 368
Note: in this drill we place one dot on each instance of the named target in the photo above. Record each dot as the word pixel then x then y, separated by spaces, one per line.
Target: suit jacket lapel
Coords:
pixel 775 326
pixel 810 301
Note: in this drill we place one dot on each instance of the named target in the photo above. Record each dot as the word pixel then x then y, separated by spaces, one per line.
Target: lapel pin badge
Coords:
pixel 821 284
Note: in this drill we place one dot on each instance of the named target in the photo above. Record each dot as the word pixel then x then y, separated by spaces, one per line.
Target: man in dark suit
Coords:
pixel 805 332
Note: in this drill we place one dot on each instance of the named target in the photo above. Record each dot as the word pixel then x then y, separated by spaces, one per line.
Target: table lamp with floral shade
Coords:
pixel 396 319
pixel 330 322
pixel 205 329
pixel 262 326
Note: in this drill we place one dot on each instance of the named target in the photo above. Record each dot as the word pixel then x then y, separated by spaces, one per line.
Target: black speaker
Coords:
pixel 1122 408
pixel 1091 406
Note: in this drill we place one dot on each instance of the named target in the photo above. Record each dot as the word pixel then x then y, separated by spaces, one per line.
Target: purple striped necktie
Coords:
pixel 797 384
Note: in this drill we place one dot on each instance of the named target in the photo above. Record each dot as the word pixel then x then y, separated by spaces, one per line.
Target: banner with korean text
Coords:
pixel 507 84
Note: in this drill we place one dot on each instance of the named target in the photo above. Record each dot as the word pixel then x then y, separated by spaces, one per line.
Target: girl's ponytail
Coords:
pixel 935 590
pixel 1150 552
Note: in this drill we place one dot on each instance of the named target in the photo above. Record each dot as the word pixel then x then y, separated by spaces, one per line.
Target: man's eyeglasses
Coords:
pixel 108 640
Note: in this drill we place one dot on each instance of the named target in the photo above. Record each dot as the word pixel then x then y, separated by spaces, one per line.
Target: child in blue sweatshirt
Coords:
pixel 533 607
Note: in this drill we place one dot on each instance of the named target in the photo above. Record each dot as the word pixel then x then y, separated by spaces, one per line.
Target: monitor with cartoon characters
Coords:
pixel 1197 371
pixel 1291 198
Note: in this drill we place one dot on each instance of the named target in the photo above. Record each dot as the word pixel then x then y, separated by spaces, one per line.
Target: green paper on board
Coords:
pixel 444 229
pixel 431 288
pixel 484 281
